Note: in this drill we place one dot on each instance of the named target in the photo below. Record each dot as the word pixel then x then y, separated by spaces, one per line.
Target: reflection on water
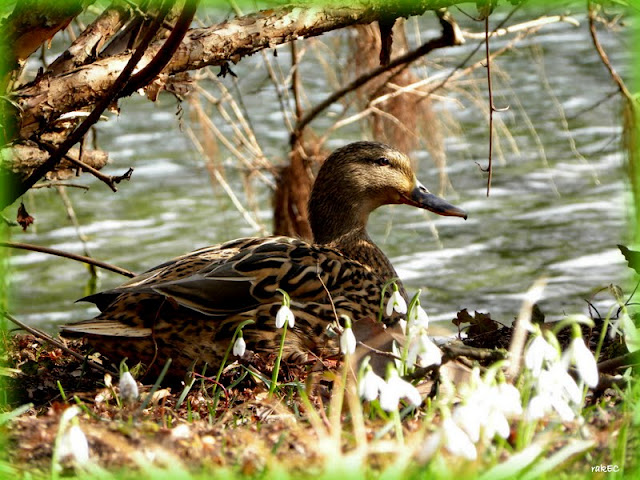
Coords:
pixel 558 217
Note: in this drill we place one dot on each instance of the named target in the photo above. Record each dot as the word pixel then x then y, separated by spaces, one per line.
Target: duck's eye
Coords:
pixel 383 161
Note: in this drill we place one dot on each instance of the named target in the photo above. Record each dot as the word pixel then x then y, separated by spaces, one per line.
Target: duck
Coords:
pixel 188 308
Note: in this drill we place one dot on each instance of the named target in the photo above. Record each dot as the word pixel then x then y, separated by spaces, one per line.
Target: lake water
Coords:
pixel 558 217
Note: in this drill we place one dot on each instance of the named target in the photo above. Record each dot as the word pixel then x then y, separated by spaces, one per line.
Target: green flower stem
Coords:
pixel 413 304
pixel 572 320
pixel 227 352
pixel 398 426
pixel 603 331
pixel 276 365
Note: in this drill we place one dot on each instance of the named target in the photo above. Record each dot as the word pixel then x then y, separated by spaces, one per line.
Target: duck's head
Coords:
pixel 360 177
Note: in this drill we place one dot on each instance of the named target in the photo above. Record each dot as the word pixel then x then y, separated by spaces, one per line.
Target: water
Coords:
pixel 555 212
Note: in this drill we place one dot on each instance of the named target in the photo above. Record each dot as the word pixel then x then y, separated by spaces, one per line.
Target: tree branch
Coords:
pixel 87 46
pixel 72 256
pixel 50 96
pixel 94 116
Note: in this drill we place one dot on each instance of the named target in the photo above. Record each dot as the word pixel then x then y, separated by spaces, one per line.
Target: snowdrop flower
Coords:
pixel 456 441
pixel 469 417
pixel 555 390
pixel 538 351
pixel 396 388
pixel 403 325
pixel 370 385
pixel 428 352
pixel 128 387
pixel 285 315
pixel 487 408
pixel 73 445
pixel 544 402
pixel 418 317
pixel 68 414
pixel 396 302
pixel 580 355
pixel 508 398
pixel 240 346
pixel 347 341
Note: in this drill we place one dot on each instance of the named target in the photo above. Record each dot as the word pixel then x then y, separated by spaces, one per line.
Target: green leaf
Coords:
pixel 632 257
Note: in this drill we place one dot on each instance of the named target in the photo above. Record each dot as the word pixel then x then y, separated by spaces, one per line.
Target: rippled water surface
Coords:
pixel 556 210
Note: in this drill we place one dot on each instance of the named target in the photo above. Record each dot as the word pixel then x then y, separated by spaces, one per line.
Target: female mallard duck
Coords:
pixel 187 309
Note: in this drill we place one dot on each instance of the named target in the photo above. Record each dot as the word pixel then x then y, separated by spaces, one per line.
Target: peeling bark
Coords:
pixel 89 43
pixel 22 160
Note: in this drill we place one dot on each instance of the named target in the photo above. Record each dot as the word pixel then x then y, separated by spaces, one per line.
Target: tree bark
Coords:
pixel 22 160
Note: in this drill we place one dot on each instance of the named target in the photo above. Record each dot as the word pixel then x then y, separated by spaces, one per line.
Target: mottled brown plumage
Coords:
pixel 188 308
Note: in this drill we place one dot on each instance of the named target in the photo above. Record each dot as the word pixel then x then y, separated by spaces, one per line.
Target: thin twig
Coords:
pixel 71 214
pixel 492 107
pixel 603 55
pixel 227 188
pixel 450 37
pixel 164 55
pixel 538 22
pixel 49 339
pixel 60 184
pixel 72 256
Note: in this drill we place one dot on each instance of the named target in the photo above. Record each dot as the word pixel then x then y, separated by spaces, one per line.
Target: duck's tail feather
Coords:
pixel 105 328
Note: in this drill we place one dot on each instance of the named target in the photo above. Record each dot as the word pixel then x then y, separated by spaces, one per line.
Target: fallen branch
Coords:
pixel 72 256
pixel 623 361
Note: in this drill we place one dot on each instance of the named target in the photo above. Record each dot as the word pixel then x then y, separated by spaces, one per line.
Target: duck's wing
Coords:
pixel 173 269
pixel 240 276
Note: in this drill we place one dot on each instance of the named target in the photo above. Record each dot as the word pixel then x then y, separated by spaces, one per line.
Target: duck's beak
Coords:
pixel 421 197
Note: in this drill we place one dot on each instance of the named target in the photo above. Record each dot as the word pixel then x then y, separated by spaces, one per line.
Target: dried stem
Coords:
pixel 49 339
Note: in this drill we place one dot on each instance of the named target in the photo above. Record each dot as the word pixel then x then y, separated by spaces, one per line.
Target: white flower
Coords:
pixel 538 351
pixel 418 318
pixel 584 361
pixel 428 352
pixel 487 407
pixel 544 402
pixel 468 417
pixel 370 385
pixel 508 399
pixel 68 414
pixel 285 315
pixel 403 325
pixel 557 379
pixel 396 388
pixel 555 389
pixel 397 303
pixel 347 341
pixel 496 422
pixel 239 347
pixel 73 445
pixel 128 387
pixel 457 441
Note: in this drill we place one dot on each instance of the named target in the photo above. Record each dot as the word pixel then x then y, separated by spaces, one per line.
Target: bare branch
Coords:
pixel 72 256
